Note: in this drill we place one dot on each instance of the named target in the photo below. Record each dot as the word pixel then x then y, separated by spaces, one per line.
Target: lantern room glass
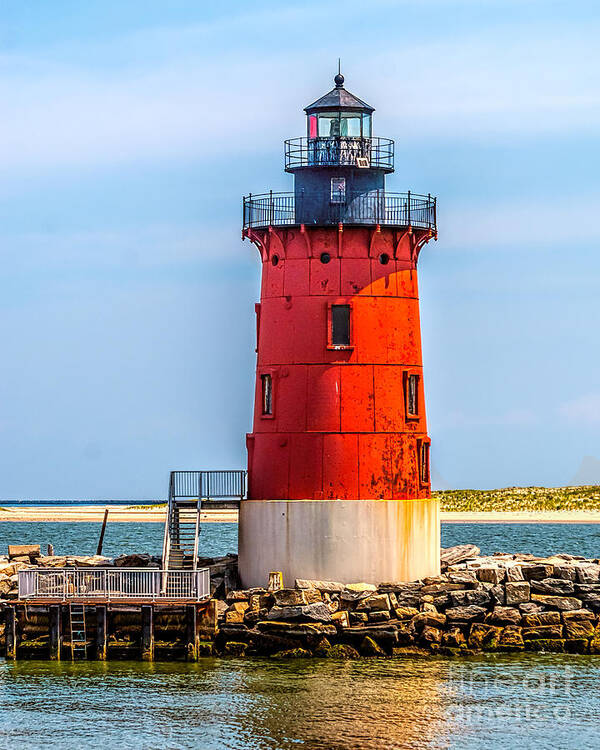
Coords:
pixel 340 123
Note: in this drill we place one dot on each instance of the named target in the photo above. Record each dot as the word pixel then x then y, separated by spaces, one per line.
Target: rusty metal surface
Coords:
pixel 339 427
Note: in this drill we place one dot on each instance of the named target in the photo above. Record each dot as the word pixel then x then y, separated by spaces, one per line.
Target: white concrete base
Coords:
pixel 350 541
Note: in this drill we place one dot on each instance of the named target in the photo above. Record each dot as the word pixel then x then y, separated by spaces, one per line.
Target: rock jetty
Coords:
pixel 502 603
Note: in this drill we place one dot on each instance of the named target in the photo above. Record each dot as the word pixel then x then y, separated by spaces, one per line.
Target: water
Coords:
pixel 221 538
pixel 81 538
pixel 477 703
pixel 35 503
pixel 488 702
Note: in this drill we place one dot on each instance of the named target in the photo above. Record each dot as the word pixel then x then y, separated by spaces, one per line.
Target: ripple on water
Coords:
pixel 485 702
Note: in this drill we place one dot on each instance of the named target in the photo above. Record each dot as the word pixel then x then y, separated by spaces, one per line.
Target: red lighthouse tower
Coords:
pixel 338 460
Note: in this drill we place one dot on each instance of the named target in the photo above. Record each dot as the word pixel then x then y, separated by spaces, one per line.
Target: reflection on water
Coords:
pixel 479 703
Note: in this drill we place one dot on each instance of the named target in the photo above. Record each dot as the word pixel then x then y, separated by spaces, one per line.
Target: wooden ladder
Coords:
pixel 78 635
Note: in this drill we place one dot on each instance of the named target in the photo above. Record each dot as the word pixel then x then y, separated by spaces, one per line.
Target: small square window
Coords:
pixel 267 394
pixel 338 189
pixel 340 325
pixel 411 396
pixel 424 463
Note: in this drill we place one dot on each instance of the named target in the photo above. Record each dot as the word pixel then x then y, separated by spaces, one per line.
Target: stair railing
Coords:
pixel 197 529
pixel 167 534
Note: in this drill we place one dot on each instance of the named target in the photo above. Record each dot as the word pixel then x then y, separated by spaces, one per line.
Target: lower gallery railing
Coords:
pixel 114 583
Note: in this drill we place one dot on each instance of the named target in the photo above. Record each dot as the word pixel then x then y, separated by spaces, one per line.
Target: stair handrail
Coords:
pixel 167 534
pixel 197 529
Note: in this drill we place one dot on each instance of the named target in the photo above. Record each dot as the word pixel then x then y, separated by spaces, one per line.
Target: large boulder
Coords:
pixel 429 619
pixel 562 603
pixel 504 616
pixel 141 560
pixel 235 613
pixel 466 614
pixel 353 592
pixel 541 618
pixel 297 629
pixel 466 578
pixel 517 592
pixel 579 629
pixel 318 612
pixel 480 597
pixel 458 553
pixel 511 639
pixel 588 573
pixel 375 603
pixel 330 586
pixel 543 631
pixel 93 561
pixel 536 571
pixel 491 574
pixel 454 638
pixel 289 597
pixel 23 550
pixel 553 586
pixel 484 636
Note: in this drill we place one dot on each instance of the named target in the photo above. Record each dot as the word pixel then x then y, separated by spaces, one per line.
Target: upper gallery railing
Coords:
pixel 339 151
pixel 375 207
pixel 208 485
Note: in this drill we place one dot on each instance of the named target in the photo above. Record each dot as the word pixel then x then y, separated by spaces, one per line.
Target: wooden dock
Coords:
pixel 129 629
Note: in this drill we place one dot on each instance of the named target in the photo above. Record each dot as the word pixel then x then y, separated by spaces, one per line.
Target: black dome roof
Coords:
pixel 339 98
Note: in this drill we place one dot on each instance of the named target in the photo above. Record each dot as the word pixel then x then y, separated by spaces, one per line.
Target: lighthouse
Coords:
pixel 339 484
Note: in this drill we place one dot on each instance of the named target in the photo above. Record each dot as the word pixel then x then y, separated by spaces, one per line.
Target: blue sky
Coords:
pixel 130 131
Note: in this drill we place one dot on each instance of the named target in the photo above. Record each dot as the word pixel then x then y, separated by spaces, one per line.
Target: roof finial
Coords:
pixel 339 79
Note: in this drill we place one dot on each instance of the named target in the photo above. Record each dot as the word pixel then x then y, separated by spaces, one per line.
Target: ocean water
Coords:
pixel 221 538
pixel 546 702
pixel 486 702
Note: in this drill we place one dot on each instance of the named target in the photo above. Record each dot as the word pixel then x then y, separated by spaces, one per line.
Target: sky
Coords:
pixel 130 131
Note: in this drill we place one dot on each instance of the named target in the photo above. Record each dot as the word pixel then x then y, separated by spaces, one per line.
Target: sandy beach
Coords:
pixel 95 513
pixel 118 513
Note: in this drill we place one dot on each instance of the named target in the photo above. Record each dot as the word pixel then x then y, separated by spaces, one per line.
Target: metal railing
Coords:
pixel 375 207
pixel 199 486
pixel 339 151
pixel 208 485
pixel 113 583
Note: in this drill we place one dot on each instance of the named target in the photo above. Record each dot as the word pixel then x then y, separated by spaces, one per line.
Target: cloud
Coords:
pixel 148 246
pixel 512 417
pixel 584 410
pixel 508 223
pixel 215 90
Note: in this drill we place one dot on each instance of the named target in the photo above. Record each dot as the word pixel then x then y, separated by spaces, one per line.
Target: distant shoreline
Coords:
pixel 121 514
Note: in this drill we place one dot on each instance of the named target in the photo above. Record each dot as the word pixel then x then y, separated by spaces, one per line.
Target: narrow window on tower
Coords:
pixel 340 325
pixel 423 462
pixel 411 395
pixel 338 189
pixel 267 395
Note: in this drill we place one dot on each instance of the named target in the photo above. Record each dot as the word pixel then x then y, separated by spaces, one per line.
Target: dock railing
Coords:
pixel 108 584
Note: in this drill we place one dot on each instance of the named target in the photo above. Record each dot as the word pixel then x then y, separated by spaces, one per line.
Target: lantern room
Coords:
pixel 339 168
pixel 339 113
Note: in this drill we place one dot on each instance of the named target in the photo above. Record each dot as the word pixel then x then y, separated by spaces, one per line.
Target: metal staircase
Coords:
pixel 184 529
pixel 78 635
pixel 189 491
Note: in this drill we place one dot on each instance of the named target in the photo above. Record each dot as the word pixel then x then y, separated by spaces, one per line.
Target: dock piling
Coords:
pixel 191 620
pixel 11 632
pixel 147 632
pixel 101 633
pixel 56 633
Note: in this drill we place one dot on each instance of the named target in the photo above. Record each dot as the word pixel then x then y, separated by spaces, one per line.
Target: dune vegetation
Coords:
pixel 520 499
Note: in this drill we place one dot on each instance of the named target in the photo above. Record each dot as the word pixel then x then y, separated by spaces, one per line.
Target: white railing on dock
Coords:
pixel 113 583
